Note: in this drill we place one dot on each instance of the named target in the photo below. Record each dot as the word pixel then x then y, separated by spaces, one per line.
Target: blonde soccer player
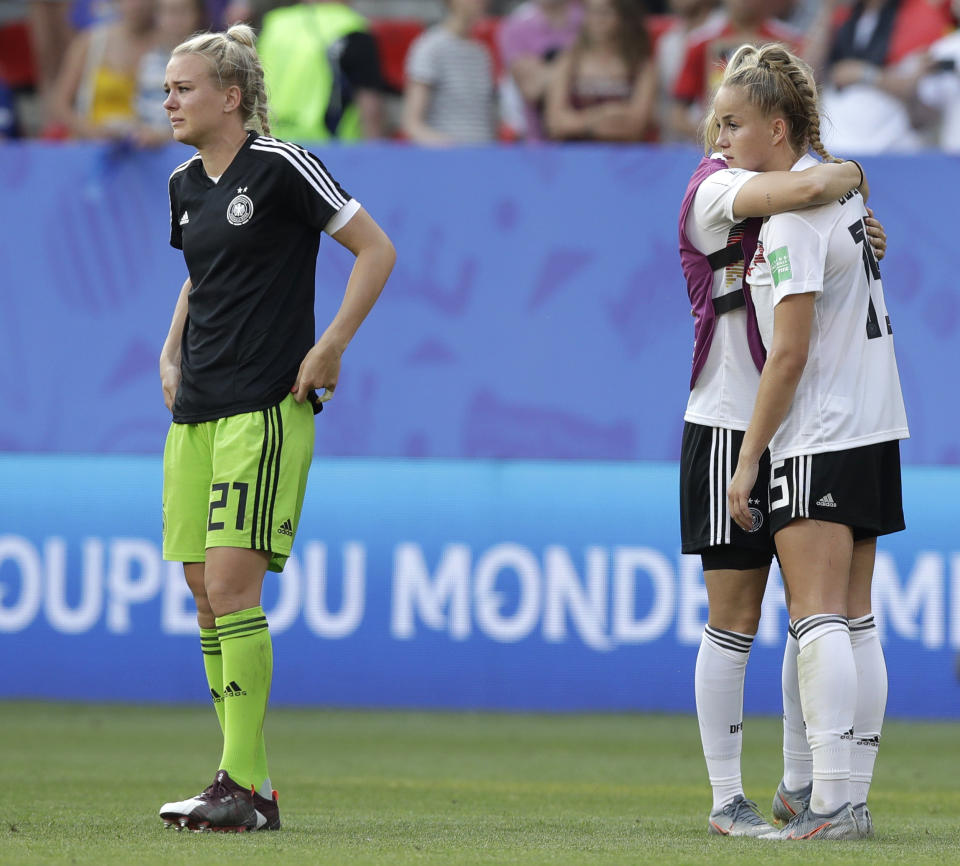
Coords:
pixel 830 408
pixel 240 370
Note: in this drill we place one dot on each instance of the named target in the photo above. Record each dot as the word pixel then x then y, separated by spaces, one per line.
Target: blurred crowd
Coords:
pixel 449 72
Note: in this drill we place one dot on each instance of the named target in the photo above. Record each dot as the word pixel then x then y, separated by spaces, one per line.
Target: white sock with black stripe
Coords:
pixel 828 693
pixel 871 704
pixel 797 760
pixel 718 684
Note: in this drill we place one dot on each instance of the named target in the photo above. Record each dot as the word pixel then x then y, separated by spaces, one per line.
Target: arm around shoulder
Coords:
pixel 773 192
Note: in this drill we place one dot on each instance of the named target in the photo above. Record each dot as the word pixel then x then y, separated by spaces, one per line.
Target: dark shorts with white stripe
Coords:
pixel 859 487
pixel 708 458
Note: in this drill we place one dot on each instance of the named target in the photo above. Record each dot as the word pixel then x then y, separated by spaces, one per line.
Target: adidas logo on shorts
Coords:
pixel 286 528
pixel 827 501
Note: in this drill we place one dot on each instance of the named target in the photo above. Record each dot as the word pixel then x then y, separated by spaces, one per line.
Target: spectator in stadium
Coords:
pixel 175 20
pixel 688 16
pixel 875 57
pixel 239 371
pixel 530 39
pixel 50 35
pixel 800 14
pixel 742 21
pixel 605 84
pixel 323 72
pixel 450 95
pixel 939 89
pixel 830 409
pixel 95 93
pixel 719 223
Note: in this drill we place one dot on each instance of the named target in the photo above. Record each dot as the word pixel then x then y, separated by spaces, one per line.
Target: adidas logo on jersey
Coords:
pixel 286 528
pixel 185 218
pixel 827 501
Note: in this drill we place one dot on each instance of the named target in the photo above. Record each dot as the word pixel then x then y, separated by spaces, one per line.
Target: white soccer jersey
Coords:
pixel 849 394
pixel 726 388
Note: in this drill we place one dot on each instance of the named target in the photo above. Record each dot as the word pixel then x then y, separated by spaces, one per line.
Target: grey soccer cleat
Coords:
pixel 740 817
pixel 223 806
pixel 809 825
pixel 786 803
pixel 864 820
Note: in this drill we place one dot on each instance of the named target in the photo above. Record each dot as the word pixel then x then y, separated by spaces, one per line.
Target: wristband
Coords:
pixel 860 169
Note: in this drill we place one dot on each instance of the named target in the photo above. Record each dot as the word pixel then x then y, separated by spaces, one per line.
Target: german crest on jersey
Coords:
pixel 240 208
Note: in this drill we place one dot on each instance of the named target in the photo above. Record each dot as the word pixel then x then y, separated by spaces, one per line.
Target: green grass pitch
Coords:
pixel 81 784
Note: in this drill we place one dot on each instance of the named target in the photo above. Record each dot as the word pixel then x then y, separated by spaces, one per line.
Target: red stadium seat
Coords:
pixel 486 32
pixel 394 37
pixel 657 25
pixel 17 67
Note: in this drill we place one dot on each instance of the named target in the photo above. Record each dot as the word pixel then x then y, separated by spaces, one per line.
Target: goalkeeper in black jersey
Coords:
pixel 240 371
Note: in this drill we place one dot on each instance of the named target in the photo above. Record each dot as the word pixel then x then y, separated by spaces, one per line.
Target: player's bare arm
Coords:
pixel 773 192
pixel 170 354
pixel 375 259
pixel 792 323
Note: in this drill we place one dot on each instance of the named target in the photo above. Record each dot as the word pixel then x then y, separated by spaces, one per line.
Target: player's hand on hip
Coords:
pixel 170 382
pixel 738 493
pixel 320 370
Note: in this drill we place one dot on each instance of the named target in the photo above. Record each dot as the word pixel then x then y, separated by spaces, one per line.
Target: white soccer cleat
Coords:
pixel 740 817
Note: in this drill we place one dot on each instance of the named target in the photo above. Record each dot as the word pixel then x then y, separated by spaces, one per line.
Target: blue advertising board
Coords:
pixel 553 585
pixel 537 308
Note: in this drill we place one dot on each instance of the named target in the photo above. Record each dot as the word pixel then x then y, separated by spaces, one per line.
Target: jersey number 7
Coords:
pixel 870 267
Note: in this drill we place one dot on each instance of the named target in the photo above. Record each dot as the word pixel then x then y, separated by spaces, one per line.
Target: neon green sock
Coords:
pixel 247 670
pixel 213 666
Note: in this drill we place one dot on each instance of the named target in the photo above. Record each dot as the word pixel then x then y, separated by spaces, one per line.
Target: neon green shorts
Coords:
pixel 237 482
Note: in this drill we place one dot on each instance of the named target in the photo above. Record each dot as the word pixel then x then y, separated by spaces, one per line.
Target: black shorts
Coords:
pixel 708 458
pixel 859 488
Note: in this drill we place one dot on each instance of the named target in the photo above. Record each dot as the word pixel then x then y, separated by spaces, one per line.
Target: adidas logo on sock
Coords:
pixel 216 697
pixel 827 501
pixel 232 690
pixel 286 528
pixel 185 218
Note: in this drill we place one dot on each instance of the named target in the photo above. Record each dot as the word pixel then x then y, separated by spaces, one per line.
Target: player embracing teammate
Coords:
pixel 764 121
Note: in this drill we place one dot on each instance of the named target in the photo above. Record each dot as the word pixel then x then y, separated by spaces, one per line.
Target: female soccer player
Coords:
pixel 718 230
pixel 830 408
pixel 239 371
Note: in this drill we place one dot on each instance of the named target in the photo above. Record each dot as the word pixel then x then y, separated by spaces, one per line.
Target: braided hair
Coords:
pixel 234 59
pixel 776 82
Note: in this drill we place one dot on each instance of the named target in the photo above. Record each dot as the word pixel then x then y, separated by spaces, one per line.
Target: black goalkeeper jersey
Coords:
pixel 250 242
